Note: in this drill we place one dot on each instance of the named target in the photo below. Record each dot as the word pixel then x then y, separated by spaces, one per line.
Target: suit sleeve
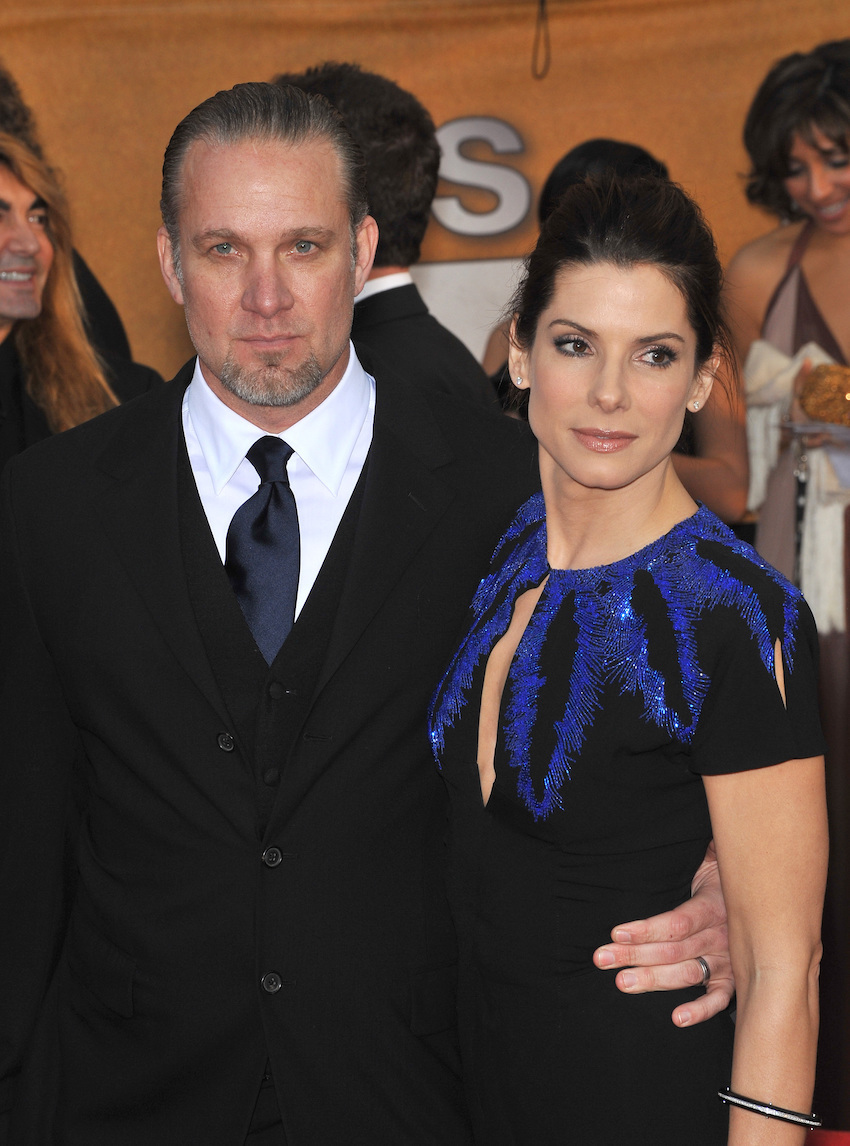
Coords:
pixel 40 745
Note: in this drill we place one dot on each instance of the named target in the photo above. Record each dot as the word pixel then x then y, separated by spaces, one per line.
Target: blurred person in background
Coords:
pixel 399 143
pixel 789 305
pixel 103 323
pixel 51 377
pixel 788 296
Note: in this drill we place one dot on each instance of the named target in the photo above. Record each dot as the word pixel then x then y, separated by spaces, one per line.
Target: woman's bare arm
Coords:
pixel 770 831
pixel 496 350
pixel 718 473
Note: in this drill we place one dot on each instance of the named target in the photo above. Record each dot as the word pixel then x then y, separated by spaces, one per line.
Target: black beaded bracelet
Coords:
pixel 769 1110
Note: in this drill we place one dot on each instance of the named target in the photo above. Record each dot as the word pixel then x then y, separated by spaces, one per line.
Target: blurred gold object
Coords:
pixel 825 396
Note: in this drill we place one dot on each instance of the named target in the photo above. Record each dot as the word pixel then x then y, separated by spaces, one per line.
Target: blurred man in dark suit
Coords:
pixel 397 137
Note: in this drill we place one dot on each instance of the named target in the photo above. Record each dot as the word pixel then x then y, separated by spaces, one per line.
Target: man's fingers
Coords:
pixel 663 977
pixel 716 999
pixel 712 944
pixel 704 912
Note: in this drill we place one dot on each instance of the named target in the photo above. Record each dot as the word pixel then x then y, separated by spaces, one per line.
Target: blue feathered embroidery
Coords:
pixel 611 641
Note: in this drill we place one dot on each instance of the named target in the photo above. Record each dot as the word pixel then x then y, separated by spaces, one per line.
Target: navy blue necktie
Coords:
pixel 264 549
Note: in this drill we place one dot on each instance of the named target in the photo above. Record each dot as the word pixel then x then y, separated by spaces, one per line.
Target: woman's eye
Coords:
pixel 659 356
pixel 574 346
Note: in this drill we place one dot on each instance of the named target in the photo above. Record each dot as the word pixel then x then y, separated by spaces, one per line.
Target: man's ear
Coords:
pixel 367 243
pixel 166 265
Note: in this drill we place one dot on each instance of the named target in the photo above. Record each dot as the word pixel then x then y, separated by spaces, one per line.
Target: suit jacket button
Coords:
pixel 271 776
pixel 271 982
pixel 272 857
pixel 276 690
pixel 226 742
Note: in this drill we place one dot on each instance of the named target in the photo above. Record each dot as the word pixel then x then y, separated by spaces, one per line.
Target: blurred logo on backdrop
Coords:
pixel 486 223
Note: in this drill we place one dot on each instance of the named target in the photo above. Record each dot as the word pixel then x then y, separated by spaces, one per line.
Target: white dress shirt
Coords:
pixel 384 282
pixel 329 445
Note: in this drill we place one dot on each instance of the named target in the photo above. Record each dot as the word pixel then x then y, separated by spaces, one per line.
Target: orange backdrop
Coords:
pixel 109 81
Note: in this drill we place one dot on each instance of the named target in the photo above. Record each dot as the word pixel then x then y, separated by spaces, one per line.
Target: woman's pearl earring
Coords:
pixel 519 379
pixel 696 406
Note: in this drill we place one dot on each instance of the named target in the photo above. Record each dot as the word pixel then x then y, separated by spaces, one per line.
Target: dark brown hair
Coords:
pixel 595 157
pixel 800 92
pixel 629 221
pixel 399 144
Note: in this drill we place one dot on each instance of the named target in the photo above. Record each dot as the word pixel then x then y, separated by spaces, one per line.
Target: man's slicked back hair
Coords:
pixel 399 143
pixel 265 113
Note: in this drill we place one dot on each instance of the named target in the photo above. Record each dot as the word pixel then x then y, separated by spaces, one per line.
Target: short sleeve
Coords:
pixel 743 722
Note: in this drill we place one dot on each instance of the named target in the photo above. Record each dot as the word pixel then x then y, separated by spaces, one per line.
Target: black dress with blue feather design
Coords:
pixel 630 681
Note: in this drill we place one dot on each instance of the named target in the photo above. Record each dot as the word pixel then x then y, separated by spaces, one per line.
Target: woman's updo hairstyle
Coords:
pixel 631 221
pixel 802 91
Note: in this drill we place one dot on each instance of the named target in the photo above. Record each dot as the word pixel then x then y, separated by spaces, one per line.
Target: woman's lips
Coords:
pixel 604 441
pixel 832 211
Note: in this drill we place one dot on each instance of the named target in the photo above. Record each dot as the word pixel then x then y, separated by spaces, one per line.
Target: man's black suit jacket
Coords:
pixel 397 326
pixel 218 916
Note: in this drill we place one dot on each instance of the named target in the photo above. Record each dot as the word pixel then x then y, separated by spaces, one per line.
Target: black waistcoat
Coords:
pixel 267 703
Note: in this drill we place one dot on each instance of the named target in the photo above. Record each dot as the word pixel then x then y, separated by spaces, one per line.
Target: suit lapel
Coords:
pixel 138 508
pixel 404 499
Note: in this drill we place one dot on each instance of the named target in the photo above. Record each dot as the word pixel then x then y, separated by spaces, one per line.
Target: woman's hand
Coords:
pixel 660 954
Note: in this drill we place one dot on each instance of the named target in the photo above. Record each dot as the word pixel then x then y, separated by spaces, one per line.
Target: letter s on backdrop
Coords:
pixel 510 187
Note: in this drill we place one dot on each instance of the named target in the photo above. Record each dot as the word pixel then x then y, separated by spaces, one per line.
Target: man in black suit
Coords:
pixel 221 888
pixel 399 143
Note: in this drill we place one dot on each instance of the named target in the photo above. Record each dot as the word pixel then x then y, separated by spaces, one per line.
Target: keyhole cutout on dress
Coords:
pixel 495 676
pixel 779 667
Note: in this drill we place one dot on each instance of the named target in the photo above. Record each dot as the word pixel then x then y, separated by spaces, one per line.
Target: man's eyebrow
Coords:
pixel 290 236
pixel 36 205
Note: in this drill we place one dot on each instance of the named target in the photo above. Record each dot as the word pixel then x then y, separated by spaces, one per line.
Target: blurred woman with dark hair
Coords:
pixel 634 681
pixel 789 299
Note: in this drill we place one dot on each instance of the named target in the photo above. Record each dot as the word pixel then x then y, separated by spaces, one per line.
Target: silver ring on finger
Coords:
pixel 706 970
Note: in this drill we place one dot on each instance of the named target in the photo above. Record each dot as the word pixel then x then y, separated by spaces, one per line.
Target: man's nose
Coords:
pixel 268 290
pixel 25 238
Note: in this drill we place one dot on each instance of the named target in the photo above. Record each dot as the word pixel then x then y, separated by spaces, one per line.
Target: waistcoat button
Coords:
pixel 271 982
pixel 225 742
pixel 272 857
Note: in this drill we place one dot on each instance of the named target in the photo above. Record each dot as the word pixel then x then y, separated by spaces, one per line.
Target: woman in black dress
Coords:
pixel 635 680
